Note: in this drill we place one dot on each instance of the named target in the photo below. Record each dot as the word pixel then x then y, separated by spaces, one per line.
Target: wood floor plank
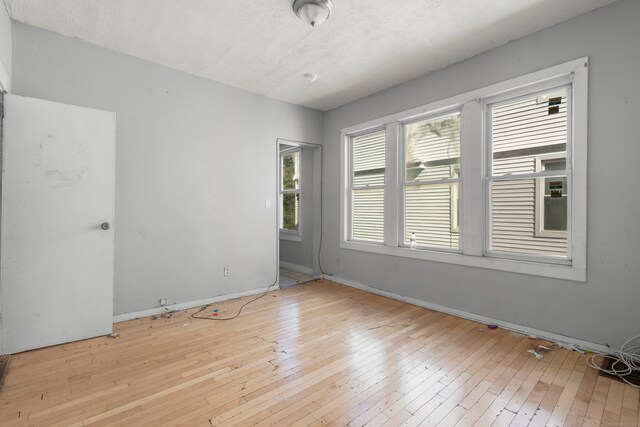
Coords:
pixel 613 404
pixel 314 354
pixel 595 409
pixel 630 406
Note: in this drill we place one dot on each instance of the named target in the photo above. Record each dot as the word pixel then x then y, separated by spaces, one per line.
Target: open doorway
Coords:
pixel 298 201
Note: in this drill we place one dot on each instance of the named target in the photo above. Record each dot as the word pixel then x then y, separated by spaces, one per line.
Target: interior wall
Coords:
pixel 301 253
pixel 5 48
pixel 194 167
pixel 603 310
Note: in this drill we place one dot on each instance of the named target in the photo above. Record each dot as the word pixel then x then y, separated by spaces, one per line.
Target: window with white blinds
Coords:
pixel 492 178
pixel 528 192
pixel 367 187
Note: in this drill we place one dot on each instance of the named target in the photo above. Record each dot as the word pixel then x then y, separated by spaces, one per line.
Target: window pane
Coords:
pixel 291 171
pixel 554 208
pixel 431 212
pixel 368 159
pixel 555 213
pixel 513 221
pixel 526 128
pixel 432 148
pixel 368 215
pixel 290 211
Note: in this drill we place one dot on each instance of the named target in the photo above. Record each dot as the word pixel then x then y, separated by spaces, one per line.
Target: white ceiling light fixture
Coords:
pixel 313 12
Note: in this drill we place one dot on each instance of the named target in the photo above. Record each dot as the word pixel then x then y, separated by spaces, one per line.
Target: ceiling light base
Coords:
pixel 313 12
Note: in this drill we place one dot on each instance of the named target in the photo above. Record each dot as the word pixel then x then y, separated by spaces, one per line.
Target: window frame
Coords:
pixel 284 234
pixel 473 186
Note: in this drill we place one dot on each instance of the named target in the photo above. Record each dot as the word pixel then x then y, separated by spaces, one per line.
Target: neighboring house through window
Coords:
pixel 551 199
pixel 492 178
pixel 432 177
pixel 366 187
pixel 529 137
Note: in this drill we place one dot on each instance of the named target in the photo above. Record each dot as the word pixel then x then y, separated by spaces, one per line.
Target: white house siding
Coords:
pixel 525 124
pixel 428 215
pixel 430 209
pixel 368 215
pixel 521 131
pixel 368 170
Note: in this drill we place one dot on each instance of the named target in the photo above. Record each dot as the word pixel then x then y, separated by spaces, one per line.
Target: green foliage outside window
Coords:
pixel 290 201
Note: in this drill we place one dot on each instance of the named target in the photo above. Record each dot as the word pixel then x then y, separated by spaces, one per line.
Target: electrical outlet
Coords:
pixel 227 271
pixel 164 301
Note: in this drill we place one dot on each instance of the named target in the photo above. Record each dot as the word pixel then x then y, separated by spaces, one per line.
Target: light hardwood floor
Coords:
pixel 315 354
pixel 289 278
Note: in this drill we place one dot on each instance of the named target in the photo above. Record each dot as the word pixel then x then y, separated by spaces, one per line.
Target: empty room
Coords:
pixel 319 212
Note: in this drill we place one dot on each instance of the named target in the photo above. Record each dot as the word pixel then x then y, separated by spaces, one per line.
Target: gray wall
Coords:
pixel 301 253
pixel 603 310
pixel 195 162
pixel 5 46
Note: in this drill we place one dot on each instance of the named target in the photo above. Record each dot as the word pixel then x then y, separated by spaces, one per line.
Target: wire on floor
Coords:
pixel 195 315
pixel 625 362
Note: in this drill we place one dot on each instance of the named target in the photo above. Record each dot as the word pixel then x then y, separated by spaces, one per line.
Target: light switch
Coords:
pixel 267 203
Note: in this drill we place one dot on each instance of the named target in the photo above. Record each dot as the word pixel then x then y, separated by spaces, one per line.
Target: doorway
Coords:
pixel 298 201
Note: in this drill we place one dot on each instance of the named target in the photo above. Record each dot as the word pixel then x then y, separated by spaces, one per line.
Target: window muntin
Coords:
pixel 431 181
pixel 290 191
pixel 367 182
pixel 522 131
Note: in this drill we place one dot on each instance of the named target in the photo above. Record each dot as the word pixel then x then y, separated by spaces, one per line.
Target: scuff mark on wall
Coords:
pixel 63 178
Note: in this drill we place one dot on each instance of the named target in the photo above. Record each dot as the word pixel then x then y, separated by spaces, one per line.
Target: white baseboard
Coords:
pixel 190 304
pixel 296 267
pixel 561 339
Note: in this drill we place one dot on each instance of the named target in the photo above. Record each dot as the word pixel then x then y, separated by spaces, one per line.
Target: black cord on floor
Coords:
pixel 194 315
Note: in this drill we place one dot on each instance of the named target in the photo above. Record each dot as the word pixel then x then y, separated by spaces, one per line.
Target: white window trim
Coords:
pixel 290 235
pixel 455 208
pixel 539 230
pixel 473 228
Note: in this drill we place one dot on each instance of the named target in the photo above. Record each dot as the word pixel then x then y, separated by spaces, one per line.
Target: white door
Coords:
pixel 58 188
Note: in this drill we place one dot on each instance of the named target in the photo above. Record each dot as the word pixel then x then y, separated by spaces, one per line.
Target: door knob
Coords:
pixel 105 226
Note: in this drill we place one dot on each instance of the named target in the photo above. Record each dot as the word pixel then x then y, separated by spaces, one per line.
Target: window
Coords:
pixel 493 178
pixel 431 180
pixel 290 193
pixel 528 180
pixel 367 187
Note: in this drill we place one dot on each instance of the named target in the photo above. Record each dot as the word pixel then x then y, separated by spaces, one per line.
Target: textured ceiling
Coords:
pixel 261 46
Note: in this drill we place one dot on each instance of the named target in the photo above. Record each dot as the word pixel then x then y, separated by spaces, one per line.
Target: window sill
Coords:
pixel 541 269
pixel 292 237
